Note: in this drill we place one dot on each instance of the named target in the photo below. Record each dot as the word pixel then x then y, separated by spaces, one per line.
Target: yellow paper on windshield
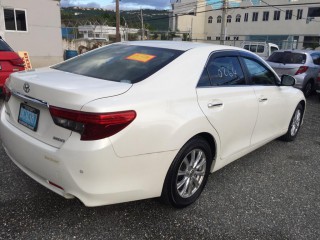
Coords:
pixel 141 57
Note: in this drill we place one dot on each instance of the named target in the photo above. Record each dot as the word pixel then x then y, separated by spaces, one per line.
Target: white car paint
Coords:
pixel 133 163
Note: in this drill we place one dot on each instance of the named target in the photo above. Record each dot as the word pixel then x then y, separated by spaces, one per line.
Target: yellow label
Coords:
pixel 141 57
pixel 25 56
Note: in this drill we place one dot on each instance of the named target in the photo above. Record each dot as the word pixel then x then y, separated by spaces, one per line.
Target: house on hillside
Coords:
pixel 33 26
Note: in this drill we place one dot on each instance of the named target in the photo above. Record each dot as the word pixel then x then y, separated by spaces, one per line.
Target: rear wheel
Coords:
pixel 294 125
pixel 188 173
pixel 308 88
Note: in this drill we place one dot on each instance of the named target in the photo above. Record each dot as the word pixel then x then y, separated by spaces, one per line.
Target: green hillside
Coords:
pixel 155 20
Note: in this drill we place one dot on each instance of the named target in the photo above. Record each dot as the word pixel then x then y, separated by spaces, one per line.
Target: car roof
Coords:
pixel 179 45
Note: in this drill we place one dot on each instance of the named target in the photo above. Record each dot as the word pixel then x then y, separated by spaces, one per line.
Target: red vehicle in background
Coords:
pixel 9 62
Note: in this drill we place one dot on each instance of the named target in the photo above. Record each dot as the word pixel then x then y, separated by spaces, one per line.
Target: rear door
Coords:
pixel 229 104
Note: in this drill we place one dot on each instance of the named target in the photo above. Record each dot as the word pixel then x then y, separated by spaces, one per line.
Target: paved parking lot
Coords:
pixel 272 193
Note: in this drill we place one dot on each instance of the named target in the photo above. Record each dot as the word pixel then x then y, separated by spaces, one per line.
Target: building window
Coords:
pixel 15 19
pixel 255 17
pixel 217 38
pixel 228 38
pixel 288 14
pixel 238 18
pixel 219 19
pixel 265 16
pixel 208 38
pixel 246 16
pixel 229 18
pixel 299 14
pixel 276 16
pixel 210 19
pixel 236 38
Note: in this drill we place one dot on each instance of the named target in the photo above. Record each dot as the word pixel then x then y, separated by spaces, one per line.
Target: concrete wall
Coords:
pixel 186 23
pixel 43 38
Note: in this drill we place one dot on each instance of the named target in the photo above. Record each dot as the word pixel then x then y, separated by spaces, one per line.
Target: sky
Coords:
pixel 124 4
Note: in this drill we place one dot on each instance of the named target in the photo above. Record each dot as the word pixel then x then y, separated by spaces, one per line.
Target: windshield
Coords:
pixel 4 47
pixel 120 63
pixel 287 58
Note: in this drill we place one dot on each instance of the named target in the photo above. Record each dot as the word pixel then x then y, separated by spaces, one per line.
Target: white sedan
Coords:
pixel 146 119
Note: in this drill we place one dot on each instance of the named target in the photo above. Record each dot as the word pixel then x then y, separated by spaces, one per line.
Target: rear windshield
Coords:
pixel 120 63
pixel 4 47
pixel 288 58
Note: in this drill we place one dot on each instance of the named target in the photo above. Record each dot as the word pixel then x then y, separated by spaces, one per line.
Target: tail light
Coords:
pixel 301 70
pixel 6 93
pixel 17 62
pixel 92 126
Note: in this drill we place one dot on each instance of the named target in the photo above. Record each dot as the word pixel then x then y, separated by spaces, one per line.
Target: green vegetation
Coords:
pixel 73 15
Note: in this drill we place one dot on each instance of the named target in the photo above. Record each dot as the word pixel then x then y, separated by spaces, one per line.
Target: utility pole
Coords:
pixel 118 37
pixel 223 22
pixel 142 26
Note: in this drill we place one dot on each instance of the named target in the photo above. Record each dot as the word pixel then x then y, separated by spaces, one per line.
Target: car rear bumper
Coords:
pixel 88 170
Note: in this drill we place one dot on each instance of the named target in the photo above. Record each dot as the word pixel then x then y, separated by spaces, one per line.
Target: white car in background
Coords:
pixel 144 119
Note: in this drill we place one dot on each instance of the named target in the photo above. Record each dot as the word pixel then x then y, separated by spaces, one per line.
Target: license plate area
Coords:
pixel 29 116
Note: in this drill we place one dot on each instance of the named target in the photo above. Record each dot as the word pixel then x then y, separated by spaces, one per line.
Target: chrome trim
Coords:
pixel 210 105
pixel 29 99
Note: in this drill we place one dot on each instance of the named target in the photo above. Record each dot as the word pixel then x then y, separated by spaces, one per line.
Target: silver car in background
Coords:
pixel 303 65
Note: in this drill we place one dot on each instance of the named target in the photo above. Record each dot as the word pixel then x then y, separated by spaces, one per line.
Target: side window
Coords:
pixel 273 49
pixel 260 74
pixel 225 71
pixel 260 48
pixel 204 79
pixel 316 58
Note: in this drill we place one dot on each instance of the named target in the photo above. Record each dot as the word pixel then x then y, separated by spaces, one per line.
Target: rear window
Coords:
pixel 120 63
pixel 288 58
pixel 4 47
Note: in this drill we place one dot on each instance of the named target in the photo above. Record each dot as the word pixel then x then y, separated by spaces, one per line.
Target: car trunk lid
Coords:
pixel 34 91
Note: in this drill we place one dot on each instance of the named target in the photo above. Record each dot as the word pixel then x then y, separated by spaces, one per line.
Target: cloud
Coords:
pixel 71 3
pixel 124 4
pixel 155 4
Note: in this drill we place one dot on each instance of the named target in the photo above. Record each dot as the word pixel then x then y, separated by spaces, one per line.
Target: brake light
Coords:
pixel 17 62
pixel 6 93
pixel 92 126
pixel 301 70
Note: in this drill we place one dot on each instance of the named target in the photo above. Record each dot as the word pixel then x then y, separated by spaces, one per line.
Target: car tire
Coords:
pixel 188 173
pixel 294 125
pixel 308 88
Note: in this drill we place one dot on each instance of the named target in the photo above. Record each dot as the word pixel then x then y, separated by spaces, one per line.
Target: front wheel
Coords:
pixel 294 125
pixel 188 173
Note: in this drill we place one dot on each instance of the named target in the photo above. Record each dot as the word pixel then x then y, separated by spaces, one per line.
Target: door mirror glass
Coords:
pixel 287 80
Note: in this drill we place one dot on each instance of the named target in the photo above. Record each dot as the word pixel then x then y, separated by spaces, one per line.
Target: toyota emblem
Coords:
pixel 26 87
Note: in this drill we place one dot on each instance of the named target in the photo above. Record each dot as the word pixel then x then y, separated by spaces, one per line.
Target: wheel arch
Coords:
pixel 212 143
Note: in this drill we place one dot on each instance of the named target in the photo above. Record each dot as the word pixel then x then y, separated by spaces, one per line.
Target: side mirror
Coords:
pixel 287 80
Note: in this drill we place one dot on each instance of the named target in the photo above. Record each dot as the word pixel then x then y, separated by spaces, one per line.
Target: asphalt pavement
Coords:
pixel 272 193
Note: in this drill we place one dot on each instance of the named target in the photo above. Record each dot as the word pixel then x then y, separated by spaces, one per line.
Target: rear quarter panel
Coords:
pixel 168 114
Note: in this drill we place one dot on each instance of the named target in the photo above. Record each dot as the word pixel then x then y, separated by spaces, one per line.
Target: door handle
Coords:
pixel 211 105
pixel 263 99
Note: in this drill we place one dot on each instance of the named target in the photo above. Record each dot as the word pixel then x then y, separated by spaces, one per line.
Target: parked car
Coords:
pixel 304 65
pixel 9 62
pixel 262 49
pixel 318 85
pixel 144 119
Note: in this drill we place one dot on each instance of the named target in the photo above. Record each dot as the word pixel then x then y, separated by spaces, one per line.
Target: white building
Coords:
pixel 278 21
pixel 33 26
pixel 100 31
